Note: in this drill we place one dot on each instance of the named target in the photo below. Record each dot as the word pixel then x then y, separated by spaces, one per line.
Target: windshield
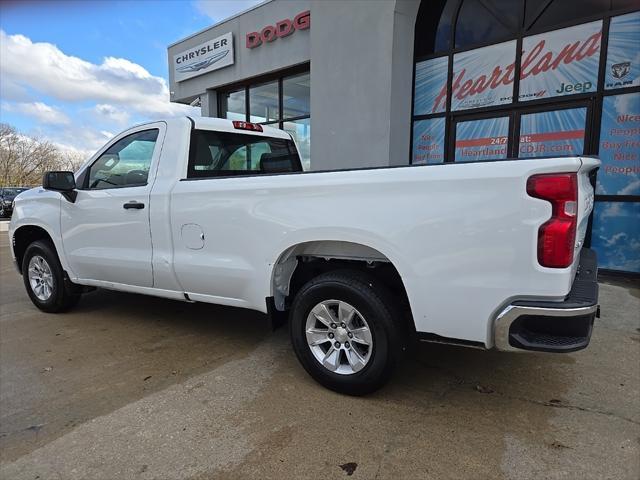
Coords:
pixel 11 192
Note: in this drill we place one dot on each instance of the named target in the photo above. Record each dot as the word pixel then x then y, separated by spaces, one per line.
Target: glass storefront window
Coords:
pixel 234 105
pixel 484 21
pixel 301 131
pixel 623 69
pixel 296 96
pixel 557 133
pixel 430 94
pixel 547 14
pixel 620 146
pixel 579 76
pixel 292 93
pixel 482 139
pixel 562 62
pixel 483 77
pixel 428 141
pixel 435 20
pixel 616 235
pixel 263 103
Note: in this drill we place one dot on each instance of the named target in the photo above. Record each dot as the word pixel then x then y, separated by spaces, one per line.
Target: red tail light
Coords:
pixel 557 236
pixel 254 127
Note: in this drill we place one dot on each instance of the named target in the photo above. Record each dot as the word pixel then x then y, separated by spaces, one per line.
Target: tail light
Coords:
pixel 254 127
pixel 556 237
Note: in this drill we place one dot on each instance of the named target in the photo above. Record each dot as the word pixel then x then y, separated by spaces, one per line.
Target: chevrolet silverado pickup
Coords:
pixel 361 262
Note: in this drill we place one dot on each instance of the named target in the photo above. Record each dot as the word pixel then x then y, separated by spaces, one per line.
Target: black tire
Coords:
pixel 375 304
pixel 62 296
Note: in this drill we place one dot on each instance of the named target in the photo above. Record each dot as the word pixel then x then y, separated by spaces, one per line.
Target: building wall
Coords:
pixel 361 68
pixel 361 74
pixel 282 53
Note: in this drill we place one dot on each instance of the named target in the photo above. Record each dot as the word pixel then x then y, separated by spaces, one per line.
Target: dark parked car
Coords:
pixel 7 194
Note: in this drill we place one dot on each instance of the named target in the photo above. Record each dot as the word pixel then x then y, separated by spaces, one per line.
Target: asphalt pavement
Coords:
pixel 137 387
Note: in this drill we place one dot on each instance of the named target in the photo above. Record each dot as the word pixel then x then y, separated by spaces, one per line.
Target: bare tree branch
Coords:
pixel 24 159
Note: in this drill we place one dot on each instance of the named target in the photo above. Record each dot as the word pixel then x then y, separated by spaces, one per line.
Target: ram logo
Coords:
pixel 621 70
pixel 201 64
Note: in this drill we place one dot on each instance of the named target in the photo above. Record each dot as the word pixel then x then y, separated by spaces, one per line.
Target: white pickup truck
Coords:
pixel 485 254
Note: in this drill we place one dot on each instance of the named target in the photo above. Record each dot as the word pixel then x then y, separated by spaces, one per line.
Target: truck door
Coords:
pixel 105 232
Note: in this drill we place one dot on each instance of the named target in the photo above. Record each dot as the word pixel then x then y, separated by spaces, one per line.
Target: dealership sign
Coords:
pixel 430 78
pixel 281 29
pixel 623 62
pixel 204 58
pixel 562 62
pixel 480 79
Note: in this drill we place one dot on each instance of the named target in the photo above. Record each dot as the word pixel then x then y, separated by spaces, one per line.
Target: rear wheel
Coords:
pixel 44 280
pixel 346 332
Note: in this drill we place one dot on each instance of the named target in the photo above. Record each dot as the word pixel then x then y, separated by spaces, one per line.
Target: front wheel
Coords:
pixel 44 279
pixel 345 331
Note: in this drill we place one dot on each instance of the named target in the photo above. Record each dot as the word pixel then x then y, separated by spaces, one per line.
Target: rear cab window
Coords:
pixel 222 154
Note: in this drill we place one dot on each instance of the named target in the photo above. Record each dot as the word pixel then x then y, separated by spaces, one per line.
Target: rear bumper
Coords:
pixel 558 327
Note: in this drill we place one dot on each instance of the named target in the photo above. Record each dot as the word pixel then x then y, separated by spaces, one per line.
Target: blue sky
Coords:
pixel 77 72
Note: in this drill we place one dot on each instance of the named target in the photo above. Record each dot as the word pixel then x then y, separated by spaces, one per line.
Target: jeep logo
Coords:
pixel 283 28
pixel 574 88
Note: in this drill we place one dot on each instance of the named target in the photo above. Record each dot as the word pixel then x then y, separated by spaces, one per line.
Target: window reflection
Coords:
pixel 296 97
pixel 301 131
pixel 234 105
pixel 486 21
pixel 263 103
pixel 283 103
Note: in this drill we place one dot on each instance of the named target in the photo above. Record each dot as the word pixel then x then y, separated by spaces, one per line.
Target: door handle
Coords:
pixel 134 204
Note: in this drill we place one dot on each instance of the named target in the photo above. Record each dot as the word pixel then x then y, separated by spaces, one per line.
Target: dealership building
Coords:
pixel 405 82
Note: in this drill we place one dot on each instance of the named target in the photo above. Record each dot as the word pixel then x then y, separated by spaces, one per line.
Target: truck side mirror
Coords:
pixel 63 182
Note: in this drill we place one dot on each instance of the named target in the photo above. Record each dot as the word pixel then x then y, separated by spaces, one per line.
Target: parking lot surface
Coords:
pixel 137 387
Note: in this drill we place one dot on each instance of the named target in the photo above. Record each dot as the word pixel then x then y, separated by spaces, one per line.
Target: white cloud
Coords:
pixel 11 91
pixel 614 209
pixel 84 154
pixel 91 99
pixel 111 113
pixel 39 111
pixel 219 10
pixel 631 189
pixel 81 139
pixel 614 239
pixel 45 68
pixel 624 104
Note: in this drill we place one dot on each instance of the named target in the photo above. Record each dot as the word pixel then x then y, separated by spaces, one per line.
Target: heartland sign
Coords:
pixel 553 64
pixel 281 29
pixel 204 58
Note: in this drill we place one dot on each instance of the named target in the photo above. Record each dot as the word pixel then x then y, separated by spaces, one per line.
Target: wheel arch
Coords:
pixel 304 260
pixel 24 236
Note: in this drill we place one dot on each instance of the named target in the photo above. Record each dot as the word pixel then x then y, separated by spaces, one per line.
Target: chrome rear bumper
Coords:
pixel 546 326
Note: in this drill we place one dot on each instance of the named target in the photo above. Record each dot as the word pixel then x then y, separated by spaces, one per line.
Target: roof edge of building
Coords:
pixel 264 2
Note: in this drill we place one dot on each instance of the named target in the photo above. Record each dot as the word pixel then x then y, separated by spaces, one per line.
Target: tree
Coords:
pixel 71 161
pixel 24 159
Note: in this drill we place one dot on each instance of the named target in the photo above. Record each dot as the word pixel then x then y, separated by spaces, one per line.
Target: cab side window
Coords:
pixel 125 164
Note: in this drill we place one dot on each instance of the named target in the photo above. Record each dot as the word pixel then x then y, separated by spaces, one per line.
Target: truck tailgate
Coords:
pixel 585 203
